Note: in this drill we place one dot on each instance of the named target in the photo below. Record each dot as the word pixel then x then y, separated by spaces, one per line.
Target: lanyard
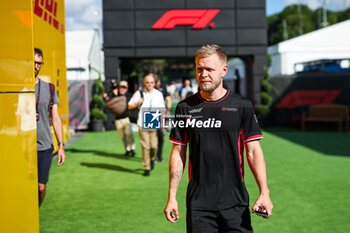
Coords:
pixel 150 99
pixel 38 97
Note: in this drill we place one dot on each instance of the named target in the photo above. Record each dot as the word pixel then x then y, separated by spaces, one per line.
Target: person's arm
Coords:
pixel 168 103
pixel 167 98
pixel 135 101
pixel 257 166
pixel 176 166
pixel 57 126
pixel 136 105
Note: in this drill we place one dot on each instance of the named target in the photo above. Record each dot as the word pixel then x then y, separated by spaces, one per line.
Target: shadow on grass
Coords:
pixel 112 167
pixel 326 142
pixel 104 153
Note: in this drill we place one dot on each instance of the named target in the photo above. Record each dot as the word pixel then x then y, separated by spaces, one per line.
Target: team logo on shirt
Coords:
pixel 256 119
pixel 195 110
pixel 225 109
pixel 151 119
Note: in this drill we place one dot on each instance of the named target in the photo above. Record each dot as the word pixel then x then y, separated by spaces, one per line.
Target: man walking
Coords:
pixel 152 98
pixel 216 123
pixel 122 121
pixel 46 111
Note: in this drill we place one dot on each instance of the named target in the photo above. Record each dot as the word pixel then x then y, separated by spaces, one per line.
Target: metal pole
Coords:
pixel 285 30
pixel 325 23
pixel 300 19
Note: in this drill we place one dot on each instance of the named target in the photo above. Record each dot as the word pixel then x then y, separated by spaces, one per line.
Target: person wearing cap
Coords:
pixel 122 122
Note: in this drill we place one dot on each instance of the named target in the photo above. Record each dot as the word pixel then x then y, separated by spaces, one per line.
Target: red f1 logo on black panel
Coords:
pixel 197 18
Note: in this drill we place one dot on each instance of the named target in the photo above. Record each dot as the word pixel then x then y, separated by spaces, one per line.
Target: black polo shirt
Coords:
pixel 216 132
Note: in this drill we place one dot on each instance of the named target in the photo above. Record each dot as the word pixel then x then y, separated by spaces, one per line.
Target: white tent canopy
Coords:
pixel 331 42
pixel 83 55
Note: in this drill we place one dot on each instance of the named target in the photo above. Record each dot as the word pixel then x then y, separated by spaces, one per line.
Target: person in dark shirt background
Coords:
pixel 162 88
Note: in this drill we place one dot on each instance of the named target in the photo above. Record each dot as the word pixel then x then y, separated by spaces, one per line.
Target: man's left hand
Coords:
pixel 61 156
pixel 264 201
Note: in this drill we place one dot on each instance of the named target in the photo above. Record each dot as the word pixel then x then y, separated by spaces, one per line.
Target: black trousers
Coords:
pixel 232 220
pixel 160 135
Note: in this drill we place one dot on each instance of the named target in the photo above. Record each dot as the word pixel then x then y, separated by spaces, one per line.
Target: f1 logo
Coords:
pixel 198 18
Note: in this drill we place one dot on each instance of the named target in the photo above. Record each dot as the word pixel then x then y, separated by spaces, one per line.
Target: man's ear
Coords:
pixel 224 70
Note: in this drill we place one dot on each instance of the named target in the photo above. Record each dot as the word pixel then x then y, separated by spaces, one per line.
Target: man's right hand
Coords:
pixel 171 211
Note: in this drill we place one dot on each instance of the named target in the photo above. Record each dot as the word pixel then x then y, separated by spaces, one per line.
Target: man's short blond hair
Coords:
pixel 210 49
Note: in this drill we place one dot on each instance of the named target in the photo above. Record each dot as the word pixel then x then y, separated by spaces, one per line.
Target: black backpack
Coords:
pixel 134 114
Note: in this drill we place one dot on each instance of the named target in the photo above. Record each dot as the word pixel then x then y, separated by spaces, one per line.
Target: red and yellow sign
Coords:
pixel 47 10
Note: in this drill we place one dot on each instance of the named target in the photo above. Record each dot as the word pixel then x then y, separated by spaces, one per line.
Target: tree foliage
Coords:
pixel 266 99
pixel 296 20
pixel 97 111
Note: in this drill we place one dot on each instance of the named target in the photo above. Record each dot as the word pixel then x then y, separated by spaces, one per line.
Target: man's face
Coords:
pixel 38 62
pixel 149 82
pixel 210 71
pixel 122 90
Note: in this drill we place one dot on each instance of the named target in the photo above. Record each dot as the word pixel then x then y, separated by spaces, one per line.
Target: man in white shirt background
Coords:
pixel 149 99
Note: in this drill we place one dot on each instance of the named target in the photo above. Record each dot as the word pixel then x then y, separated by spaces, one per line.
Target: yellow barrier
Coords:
pixel 24 25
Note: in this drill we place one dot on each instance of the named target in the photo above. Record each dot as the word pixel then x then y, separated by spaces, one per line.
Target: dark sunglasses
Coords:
pixel 39 63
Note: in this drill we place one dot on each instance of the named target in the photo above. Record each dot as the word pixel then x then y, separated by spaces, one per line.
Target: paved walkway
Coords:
pixel 74 136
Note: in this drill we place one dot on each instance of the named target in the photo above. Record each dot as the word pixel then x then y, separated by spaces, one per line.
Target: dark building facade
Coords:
pixel 168 28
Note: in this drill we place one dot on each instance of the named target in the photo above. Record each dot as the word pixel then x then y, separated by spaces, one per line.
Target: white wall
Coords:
pixel 84 57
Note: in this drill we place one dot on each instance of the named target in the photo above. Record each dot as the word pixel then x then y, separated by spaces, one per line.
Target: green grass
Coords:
pixel 100 190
